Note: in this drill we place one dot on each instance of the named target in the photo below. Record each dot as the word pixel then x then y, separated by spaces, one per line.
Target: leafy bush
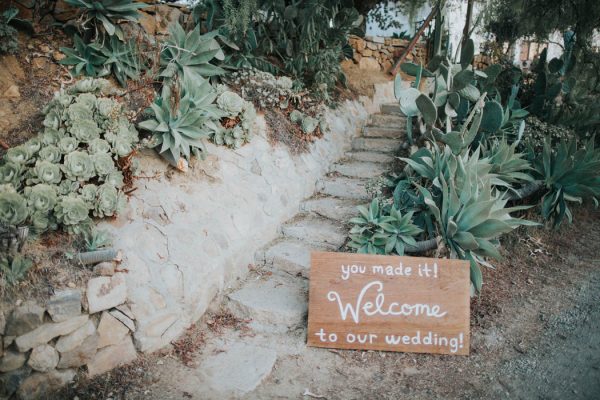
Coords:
pixel 107 13
pixel 75 173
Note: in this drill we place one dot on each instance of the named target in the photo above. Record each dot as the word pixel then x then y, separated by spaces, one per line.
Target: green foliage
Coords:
pixel 188 55
pixel 508 165
pixel 69 170
pixel 307 123
pixel 377 232
pixel 570 174
pixel 183 115
pixel 239 116
pixel 107 13
pixel 95 239
pixel 9 38
pixel 14 268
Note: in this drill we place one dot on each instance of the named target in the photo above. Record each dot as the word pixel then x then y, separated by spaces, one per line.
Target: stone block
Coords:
pixel 371 46
pixel 111 357
pixel 24 318
pixel 12 360
pixel 40 385
pixel 378 40
pixel 80 355
pixel 106 292
pixel 75 338
pixel 369 64
pixel 367 53
pixel 43 358
pixel 124 319
pixel 63 12
pixel 49 331
pixel 110 331
pixel 65 304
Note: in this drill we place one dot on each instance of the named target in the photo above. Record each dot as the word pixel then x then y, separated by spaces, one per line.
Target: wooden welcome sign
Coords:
pixel 391 303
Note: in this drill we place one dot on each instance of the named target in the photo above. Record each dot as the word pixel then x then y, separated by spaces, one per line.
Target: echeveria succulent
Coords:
pixel 13 209
pixel 46 172
pixel 51 136
pixel 85 130
pixel 41 197
pixel 68 144
pixel 11 173
pixel 42 221
pixel 88 100
pixel 98 146
pixel 78 165
pixel 67 187
pixel 115 179
pixel 52 120
pixel 122 147
pixel 231 103
pixel 33 146
pixel 107 107
pixel 103 163
pixel 88 193
pixel 109 201
pixel 71 210
pixel 50 153
pixel 18 155
pixel 79 111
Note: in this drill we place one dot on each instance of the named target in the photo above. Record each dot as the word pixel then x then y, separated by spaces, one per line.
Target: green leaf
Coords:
pixel 427 109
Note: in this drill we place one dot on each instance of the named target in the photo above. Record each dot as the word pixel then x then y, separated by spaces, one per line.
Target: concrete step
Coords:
pixel 276 304
pixel 288 255
pixel 316 230
pixel 342 187
pixel 370 156
pixel 331 207
pixel 360 169
pixel 387 120
pixel 391 108
pixel 391 132
pixel 383 145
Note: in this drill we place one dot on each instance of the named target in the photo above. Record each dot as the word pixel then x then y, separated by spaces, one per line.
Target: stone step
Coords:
pixel 288 255
pixel 331 207
pixel 382 145
pixel 391 108
pixel 315 230
pixel 387 120
pixel 342 187
pixel 276 304
pixel 360 169
pixel 392 132
pixel 370 156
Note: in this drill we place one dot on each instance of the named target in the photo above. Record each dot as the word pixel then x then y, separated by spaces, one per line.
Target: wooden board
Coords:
pixel 391 303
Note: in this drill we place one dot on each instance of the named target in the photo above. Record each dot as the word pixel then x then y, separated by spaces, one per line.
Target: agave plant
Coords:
pixel 108 12
pixel 180 130
pixel 376 233
pixel 507 164
pixel 85 58
pixel 121 58
pixel 569 174
pixel 189 55
pixel 14 268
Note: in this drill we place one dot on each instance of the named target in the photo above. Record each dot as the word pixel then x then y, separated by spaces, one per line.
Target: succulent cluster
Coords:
pixel 264 89
pixel 68 173
pixel 238 116
pixel 307 123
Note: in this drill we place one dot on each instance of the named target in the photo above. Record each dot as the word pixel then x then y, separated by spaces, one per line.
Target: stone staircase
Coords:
pixel 274 299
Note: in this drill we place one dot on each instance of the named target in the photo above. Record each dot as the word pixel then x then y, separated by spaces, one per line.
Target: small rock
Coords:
pixel 80 355
pixel 64 304
pixel 2 322
pixel 24 318
pixel 106 292
pixel 124 319
pixel 410 371
pixel 39 62
pixel 12 92
pixel 12 360
pixel 40 385
pixel 43 358
pixel 47 332
pixel 106 268
pixel 110 331
pixel 369 64
pixel 112 356
pixel 57 56
pixel 75 338
pixel 10 382
pixel 44 48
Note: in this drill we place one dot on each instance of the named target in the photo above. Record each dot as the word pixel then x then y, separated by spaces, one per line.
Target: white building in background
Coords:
pixel 524 50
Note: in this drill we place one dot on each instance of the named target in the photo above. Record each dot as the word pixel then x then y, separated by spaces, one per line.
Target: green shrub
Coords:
pixel 106 14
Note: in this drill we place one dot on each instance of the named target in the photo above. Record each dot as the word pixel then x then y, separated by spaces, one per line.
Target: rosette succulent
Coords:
pixel 50 153
pixel 51 136
pixel 115 179
pixel 13 209
pixel 68 144
pixel 231 103
pixel 88 193
pixel 109 201
pixel 78 165
pixel 103 164
pixel 80 111
pixel 71 212
pixel 41 197
pixel 98 146
pixel 85 130
pixel 18 155
pixel 46 172
pixel 11 173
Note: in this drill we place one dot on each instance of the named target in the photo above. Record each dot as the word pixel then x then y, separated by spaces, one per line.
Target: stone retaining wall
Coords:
pixel 378 53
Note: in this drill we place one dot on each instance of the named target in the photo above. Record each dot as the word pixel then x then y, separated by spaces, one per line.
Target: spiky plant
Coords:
pixel 108 13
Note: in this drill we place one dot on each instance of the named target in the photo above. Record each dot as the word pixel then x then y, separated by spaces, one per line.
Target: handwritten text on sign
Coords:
pixel 410 304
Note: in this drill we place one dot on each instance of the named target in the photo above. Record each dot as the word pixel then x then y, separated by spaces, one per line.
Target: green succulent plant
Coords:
pixel 507 164
pixel 375 232
pixel 189 54
pixel 103 164
pixel 84 58
pixel 108 13
pixel 231 103
pixel 13 209
pixel 50 153
pixel 98 146
pixel 45 172
pixel 41 197
pixel 109 201
pixel 78 166
pixel 14 268
pixel 73 213
pixel 85 130
pixel 122 59
pixel 11 173
pixel 18 155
